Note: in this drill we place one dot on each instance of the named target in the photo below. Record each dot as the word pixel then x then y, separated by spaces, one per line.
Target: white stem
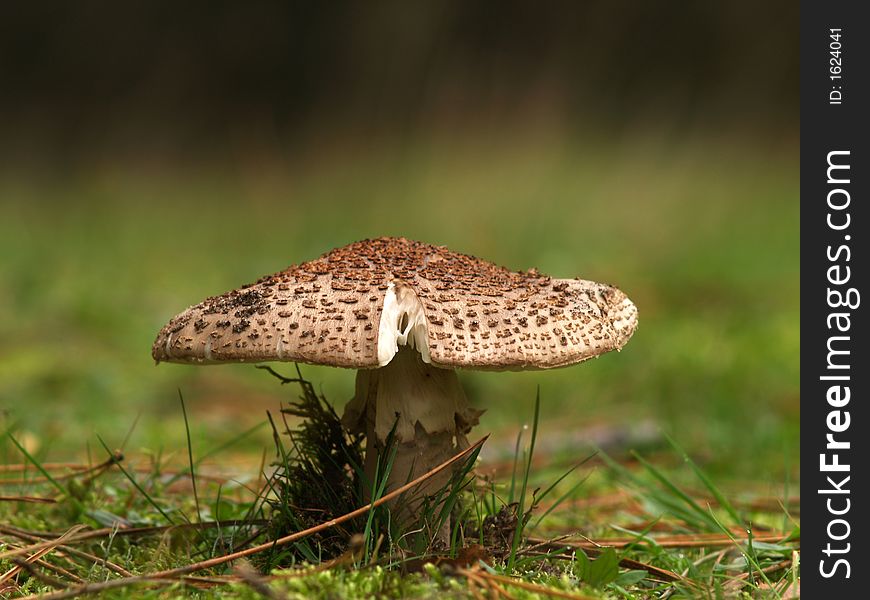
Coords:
pixel 431 416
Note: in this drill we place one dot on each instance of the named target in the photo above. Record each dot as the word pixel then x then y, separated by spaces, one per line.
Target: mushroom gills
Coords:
pixel 403 323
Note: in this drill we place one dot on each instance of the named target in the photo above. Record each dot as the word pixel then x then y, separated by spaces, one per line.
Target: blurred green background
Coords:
pixel 156 154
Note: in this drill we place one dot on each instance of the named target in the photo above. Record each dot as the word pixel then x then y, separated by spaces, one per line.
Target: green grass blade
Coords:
pixel 138 487
pixel 749 555
pixel 38 465
pixel 711 487
pixel 515 465
pixel 673 489
pixel 518 532
pixel 567 494
pixel 190 458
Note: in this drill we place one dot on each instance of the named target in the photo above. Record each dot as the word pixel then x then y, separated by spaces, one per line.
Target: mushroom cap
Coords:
pixel 477 315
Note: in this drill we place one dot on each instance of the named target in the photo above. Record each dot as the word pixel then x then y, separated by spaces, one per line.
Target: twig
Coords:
pixel 500 591
pixel 38 554
pixel 740 579
pixel 539 544
pixel 31 499
pixel 532 587
pixel 673 541
pixel 79 470
pixel 655 573
pixel 54 568
pixel 255 581
pixel 99 533
pixel 24 565
pixel 474 582
pixel 15 532
pixel 595 548
pixel 95 588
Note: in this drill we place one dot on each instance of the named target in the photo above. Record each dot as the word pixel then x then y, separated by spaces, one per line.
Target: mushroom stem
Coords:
pixel 429 411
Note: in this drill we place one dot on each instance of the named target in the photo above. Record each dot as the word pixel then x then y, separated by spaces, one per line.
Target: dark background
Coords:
pixel 192 81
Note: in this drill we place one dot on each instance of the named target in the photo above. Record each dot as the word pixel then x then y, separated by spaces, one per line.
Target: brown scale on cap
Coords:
pixel 479 315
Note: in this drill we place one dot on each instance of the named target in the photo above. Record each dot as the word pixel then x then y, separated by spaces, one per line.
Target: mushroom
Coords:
pixel 406 315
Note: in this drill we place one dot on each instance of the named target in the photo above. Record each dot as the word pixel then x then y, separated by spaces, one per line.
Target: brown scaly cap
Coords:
pixel 477 315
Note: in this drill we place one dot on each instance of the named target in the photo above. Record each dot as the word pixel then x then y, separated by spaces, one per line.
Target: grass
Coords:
pixel 702 234
pixel 123 518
